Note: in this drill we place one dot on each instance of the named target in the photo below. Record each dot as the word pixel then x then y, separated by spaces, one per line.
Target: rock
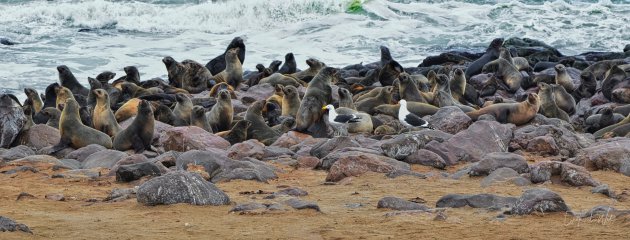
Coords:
pixel 604 189
pixel 299 204
pixel 257 92
pixel 440 216
pixel 37 161
pixel 323 149
pixel 187 138
pixel 55 197
pixel 400 204
pixel 612 155
pixel 120 194
pixel 273 152
pixel 20 169
pixel 291 138
pixel 93 173
pixel 403 172
pixel 128 160
pixel 250 148
pixel 330 159
pixel 569 173
pixel 128 173
pixel 356 163
pixel 493 161
pixel 60 154
pixel 487 201
pixel 539 200
pixel 450 119
pixel 167 159
pixel 245 169
pixel 247 207
pixel 401 146
pixel 24 195
pixel 7 224
pixel 604 212
pixel 82 153
pixel 543 145
pixel 488 137
pixel 542 120
pixel 210 160
pixel 70 163
pixel 17 152
pixel 42 135
pixel 566 141
pixel 308 162
pixel 180 187
pixel 106 159
pixel 426 158
pixel 304 148
pixel 292 191
pixel 504 175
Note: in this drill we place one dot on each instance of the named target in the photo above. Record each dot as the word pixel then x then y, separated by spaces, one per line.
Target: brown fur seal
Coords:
pixel 368 105
pixel 604 119
pixel 217 64
pixel 67 79
pixel 139 135
pixel 614 77
pixel 12 119
pixel 600 69
pixel 53 115
pixel 619 131
pixel 133 91
pixel 233 73
pixel 199 119
pixel 420 109
pixel 385 130
pixel 285 126
pixel 622 94
pixel 519 63
pixel 587 88
pixel 492 53
pixel 314 66
pixel 603 131
pixel 214 91
pixel 443 99
pixel 390 72
pixel 290 101
pixel 127 110
pixel 63 94
pixel 238 133
pixel 221 115
pixel 345 99
pixel 35 99
pixel 103 118
pixel 408 89
pixel 367 94
pixel 363 125
pixel 76 135
pixel 277 96
pixel 289 66
pixel 259 129
pixel 563 79
pixel 318 94
pixel 284 80
pixel 188 75
pixel 548 106
pixel 458 86
pixel 516 113
pixel 510 75
pixel 563 99
pixel 182 110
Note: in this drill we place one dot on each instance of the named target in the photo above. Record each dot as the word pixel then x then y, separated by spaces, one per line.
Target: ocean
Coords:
pixel 94 36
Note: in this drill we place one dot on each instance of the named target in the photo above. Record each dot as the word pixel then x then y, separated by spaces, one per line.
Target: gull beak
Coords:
pixel 325 107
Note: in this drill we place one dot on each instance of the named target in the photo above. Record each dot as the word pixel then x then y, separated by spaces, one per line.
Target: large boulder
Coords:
pixel 565 142
pixel 42 135
pixel 496 160
pixel 450 119
pixel 221 168
pixel 7 224
pixel 187 138
pixel 180 187
pixel 569 173
pixel 105 159
pixel 613 154
pixel 82 153
pixel 291 138
pixel 470 145
pixel 426 158
pixel 17 152
pixel 401 146
pixel 503 175
pixel 331 145
pixel 250 148
pixel 132 172
pixel 357 163
pixel 257 92
pixel 539 200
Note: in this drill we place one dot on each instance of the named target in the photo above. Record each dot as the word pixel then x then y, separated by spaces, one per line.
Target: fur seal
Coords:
pixel 314 66
pixel 134 91
pixel 457 86
pixel 35 99
pixel 504 69
pixel 492 53
pixel 188 75
pixel 164 114
pixel 233 72
pixel 290 101
pixel 587 88
pixel 601 132
pixel 389 72
pixel 604 119
pixel 318 94
pixel 221 114
pixel 277 96
pixel 600 69
pixel 368 105
pixel 563 99
pixel 385 130
pixel 367 94
pixel 622 94
pixel 420 109
pixel 284 80
pixel 127 110
pixel 516 113
pixel 363 125
pixel 254 79
pixel 238 133
pixel 63 94
pixel 67 79
pixel 76 135
pixel 285 126
pixel 139 135
pixel 443 99
pixel 133 75
pixel 613 78
pixel 12 119
pixel 259 129
pixel 214 91
pixel 408 89
pixel 289 66
pixel 103 118
pixel 182 110
pixel 217 64
pixel 53 115
pixel 345 99
pixel 563 79
pixel 199 118
pixel 548 106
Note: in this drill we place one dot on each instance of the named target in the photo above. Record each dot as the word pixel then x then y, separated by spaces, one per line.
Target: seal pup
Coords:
pixel 53 115
pixel 199 119
pixel 76 135
pixel 221 115
pixel 290 101
pixel 139 135
pixel 408 88
pixel 182 110
pixel 506 71
pixel 259 129
pixel 548 106
pixel 289 66
pixel 12 119
pixel 217 64
pixel 103 118
pixel 563 79
pixel 516 113
pixel 604 119
pixel 238 133
pixel 369 104
pixel 345 99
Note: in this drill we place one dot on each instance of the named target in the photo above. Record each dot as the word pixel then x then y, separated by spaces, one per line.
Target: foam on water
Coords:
pixel 140 33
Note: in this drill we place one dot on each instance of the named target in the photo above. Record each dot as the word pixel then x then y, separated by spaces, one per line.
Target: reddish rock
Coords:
pixel 308 162
pixel 183 139
pixel 42 135
pixel 569 173
pixel 354 164
pixel 291 138
pixel 612 154
pixel 543 145
pixel 450 119
pixel 250 148
pixel 257 92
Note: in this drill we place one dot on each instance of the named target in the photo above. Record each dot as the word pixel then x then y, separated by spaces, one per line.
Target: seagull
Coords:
pixel 339 121
pixel 409 119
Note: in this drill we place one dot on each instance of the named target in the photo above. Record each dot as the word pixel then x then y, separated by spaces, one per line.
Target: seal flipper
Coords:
pixel 136 143
pixel 63 144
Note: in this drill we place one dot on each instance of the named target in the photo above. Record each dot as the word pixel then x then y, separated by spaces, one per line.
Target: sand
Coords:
pixel 348 210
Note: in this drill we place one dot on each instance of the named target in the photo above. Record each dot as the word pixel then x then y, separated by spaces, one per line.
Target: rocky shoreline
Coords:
pixel 517 169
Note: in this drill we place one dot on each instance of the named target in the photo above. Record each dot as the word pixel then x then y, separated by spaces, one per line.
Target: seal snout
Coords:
pixel 168 60
pixel 61 68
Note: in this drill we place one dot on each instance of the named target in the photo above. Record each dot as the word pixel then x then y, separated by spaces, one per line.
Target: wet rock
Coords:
pixel 569 173
pixel 493 161
pixel 105 159
pixel 183 139
pixel 291 138
pixel 248 207
pixel 566 141
pixel 356 163
pixel 132 172
pixel 504 175
pixel 323 149
pixel 42 135
pixel 400 204
pixel 308 162
pixel 300 204
pixel 250 148
pixel 426 158
pixel 487 201
pixel 611 155
pixel 543 145
pixel 540 200
pixel 121 194
pixel 82 153
pixel 17 152
pixel 180 187
pixel 450 119
pixel 604 189
pixel 8 225
pixel 488 137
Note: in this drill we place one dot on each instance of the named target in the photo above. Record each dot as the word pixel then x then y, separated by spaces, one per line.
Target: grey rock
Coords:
pixel 247 207
pixel 539 200
pixel 292 191
pixel 401 146
pixel 245 169
pixel 272 152
pixel 131 172
pixel 120 194
pixel 82 153
pixel 496 160
pixel 250 148
pixel 323 149
pixel 400 204
pixel 450 119
pixel 567 141
pixel 180 187
pixel 569 173
pixel 403 172
pixel 487 201
pixel 105 159
pixel 604 189
pixel 79 173
pixel 300 204
pixel 504 175
pixel 7 224
pixel 604 212
pixel 611 154
pixel 426 158
pixel 17 152
pixel 70 163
